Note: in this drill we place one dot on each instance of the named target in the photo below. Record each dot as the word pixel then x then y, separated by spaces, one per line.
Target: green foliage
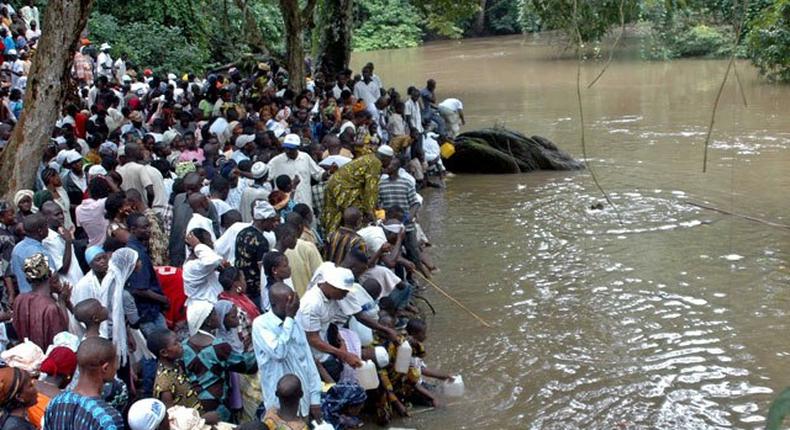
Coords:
pixel 528 17
pixel 149 44
pixel 445 18
pixel 694 28
pixel 780 408
pixel 769 41
pixel 502 17
pixel 592 18
pixel 386 24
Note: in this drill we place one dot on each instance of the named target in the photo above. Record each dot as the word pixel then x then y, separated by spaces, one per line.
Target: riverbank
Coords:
pixel 676 320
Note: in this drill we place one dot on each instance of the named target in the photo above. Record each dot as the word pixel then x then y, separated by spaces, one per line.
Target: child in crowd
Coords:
pixel 91 314
pixel 276 269
pixel 286 417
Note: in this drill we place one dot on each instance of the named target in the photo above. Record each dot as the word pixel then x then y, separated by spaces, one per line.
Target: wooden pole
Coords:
pixel 454 300
pixel 746 217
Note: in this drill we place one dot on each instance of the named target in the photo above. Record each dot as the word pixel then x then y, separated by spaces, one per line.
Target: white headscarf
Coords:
pixel 197 312
pixel 121 266
pixel 229 335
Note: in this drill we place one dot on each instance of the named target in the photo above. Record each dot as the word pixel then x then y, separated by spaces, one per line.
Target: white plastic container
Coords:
pixel 367 376
pixel 382 357
pixel 323 426
pixel 454 387
pixel 364 332
pixel 403 358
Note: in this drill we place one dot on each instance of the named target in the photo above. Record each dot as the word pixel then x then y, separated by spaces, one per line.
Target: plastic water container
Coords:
pixel 454 387
pixel 382 357
pixel 367 376
pixel 323 426
pixel 364 332
pixel 403 358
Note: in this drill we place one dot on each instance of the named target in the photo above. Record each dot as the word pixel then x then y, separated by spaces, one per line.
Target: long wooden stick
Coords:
pixel 746 217
pixel 454 300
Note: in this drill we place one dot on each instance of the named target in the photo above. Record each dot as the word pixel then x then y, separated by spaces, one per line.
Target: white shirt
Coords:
pixel 412 110
pixel 89 287
pixel 453 104
pixel 358 300
pixel 374 238
pixel 104 65
pixel 160 194
pixel 315 313
pixel 369 93
pixel 120 69
pixel 200 275
pixel 135 175
pixel 17 67
pixel 337 91
pixel 226 244
pixel 56 248
pixel 304 167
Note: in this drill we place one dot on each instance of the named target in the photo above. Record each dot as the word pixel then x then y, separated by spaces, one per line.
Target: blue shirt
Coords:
pixel 9 44
pixel 145 279
pixel 25 249
pixel 71 411
pixel 281 348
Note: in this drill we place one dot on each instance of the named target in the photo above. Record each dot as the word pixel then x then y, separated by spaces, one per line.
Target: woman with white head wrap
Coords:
pixel 197 313
pixel 122 263
pixel 208 360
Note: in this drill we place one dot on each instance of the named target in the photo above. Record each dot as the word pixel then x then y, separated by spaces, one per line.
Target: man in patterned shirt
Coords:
pixel 83 408
pixel 251 245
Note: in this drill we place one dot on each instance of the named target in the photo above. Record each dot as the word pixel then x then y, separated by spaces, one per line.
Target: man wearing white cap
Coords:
pixel 104 62
pixel 299 165
pixel 245 145
pixel 259 190
pixel 318 308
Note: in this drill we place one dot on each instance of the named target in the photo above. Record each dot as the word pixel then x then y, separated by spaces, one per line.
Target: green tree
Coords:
pixel 386 24
pixel 592 18
pixel 769 41
pixel 164 49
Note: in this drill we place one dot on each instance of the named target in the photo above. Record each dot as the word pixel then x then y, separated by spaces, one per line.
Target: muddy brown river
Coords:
pixel 675 319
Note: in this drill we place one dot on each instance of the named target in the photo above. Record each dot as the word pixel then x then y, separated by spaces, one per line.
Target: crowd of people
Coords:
pixel 221 251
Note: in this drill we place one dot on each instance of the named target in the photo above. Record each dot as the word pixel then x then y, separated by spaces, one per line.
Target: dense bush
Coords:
pixel 769 41
pixel 683 32
pixel 149 44
pixel 385 24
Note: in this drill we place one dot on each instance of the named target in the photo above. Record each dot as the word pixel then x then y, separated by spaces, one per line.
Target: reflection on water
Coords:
pixel 666 316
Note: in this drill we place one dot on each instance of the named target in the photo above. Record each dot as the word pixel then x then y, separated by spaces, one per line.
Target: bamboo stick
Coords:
pixel 746 217
pixel 454 300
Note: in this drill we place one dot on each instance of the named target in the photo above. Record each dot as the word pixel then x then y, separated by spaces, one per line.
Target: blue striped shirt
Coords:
pixel 72 411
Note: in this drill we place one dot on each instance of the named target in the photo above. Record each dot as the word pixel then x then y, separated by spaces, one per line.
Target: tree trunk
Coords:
pixel 64 21
pixel 253 30
pixel 294 45
pixel 334 53
pixel 480 19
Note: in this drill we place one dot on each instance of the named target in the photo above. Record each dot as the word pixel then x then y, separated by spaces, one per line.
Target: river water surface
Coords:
pixel 675 319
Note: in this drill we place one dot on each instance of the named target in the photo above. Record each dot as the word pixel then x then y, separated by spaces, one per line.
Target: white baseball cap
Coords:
pixel 147 414
pixel 340 278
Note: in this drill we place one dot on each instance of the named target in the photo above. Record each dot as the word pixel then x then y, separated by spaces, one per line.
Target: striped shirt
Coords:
pixel 398 192
pixel 71 411
pixel 340 242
